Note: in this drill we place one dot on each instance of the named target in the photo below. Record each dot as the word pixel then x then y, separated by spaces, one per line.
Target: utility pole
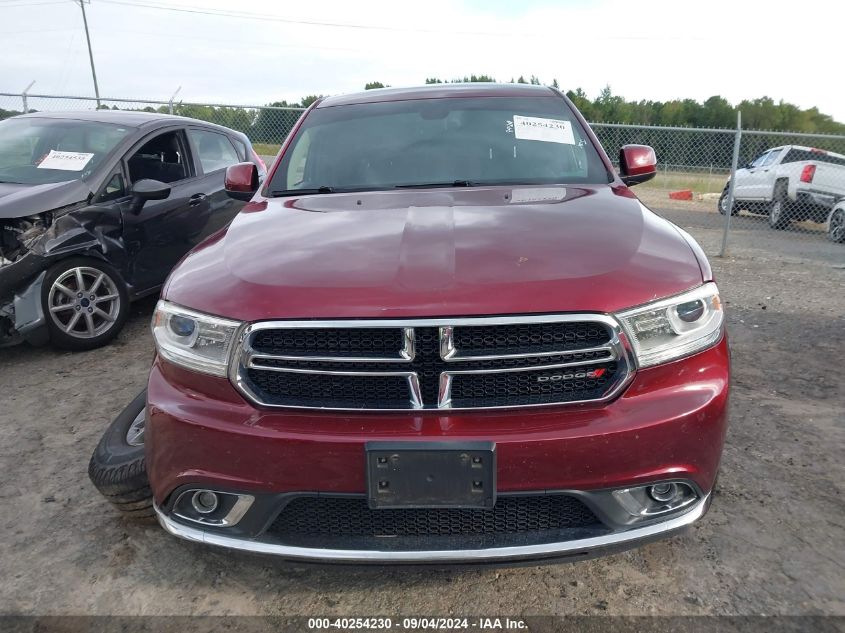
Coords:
pixel 90 54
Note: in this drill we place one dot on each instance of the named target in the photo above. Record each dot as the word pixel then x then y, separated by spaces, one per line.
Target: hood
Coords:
pixel 478 251
pixel 18 201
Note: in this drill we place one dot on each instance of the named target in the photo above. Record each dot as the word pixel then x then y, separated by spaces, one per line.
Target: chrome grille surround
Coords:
pixel 617 350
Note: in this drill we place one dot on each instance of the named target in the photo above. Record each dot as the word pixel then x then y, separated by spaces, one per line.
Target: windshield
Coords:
pixel 38 151
pixel 439 142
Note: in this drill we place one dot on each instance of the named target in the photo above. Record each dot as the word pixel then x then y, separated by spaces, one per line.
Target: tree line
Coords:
pixel 272 124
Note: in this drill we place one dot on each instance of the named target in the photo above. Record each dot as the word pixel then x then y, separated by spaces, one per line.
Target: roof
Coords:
pixel 813 150
pixel 119 117
pixel 439 91
pixel 128 118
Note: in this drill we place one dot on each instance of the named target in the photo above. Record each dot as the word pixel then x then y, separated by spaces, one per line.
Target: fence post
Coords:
pixel 170 103
pixel 730 201
pixel 23 96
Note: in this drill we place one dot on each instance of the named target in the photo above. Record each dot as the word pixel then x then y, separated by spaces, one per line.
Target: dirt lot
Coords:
pixel 771 544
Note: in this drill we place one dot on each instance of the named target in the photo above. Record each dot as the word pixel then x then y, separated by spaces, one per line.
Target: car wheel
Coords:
pixel 836 229
pixel 85 303
pixel 779 209
pixel 723 204
pixel 117 468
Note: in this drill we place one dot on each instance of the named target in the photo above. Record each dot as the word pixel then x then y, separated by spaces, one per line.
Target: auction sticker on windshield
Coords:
pixel 531 128
pixel 66 161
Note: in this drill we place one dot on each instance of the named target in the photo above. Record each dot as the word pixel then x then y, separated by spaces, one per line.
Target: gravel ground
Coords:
pixel 771 544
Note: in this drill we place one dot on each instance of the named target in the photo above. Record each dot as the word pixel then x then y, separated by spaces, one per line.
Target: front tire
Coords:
pixel 723 203
pixel 836 228
pixel 118 468
pixel 779 212
pixel 85 303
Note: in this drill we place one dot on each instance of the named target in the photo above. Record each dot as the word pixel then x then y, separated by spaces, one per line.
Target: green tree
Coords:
pixel 373 85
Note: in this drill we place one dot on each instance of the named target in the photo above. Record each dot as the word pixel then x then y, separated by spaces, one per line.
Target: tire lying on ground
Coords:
pixel 117 468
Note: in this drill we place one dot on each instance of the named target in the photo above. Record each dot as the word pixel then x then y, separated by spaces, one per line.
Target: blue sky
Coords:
pixel 658 49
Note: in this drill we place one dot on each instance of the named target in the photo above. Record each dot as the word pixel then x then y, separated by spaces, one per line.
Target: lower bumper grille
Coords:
pixel 522 518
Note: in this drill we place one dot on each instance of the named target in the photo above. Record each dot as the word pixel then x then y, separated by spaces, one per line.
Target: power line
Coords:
pixel 28 31
pixel 274 44
pixel 264 17
pixel 3 5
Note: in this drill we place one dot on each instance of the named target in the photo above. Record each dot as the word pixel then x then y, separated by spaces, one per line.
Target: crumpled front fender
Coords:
pixel 91 232
pixel 86 231
pixel 18 274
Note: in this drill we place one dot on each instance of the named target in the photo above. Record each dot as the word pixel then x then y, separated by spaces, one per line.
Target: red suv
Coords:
pixel 443 330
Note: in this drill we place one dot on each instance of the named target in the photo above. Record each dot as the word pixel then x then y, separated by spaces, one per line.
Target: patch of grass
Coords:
pixel 266 149
pixel 677 180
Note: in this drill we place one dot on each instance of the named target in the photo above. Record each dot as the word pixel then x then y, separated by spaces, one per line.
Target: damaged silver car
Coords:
pixel 96 208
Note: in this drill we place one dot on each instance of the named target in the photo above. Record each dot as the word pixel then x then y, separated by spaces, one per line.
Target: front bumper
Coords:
pixel 669 424
pixel 573 549
pixel 21 314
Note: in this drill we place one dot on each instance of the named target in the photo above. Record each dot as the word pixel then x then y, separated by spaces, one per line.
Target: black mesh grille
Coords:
pixel 526 338
pixel 532 387
pixel 468 390
pixel 352 342
pixel 352 516
pixel 322 390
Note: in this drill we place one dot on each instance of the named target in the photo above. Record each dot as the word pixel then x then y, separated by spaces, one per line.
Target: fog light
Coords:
pixel 663 492
pixel 657 499
pixel 204 501
pixel 211 507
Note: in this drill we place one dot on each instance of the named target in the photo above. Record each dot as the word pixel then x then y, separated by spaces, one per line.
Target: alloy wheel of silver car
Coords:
pixel 84 302
pixel 836 231
pixel 135 434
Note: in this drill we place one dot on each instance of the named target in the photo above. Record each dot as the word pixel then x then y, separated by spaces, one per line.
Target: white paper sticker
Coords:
pixel 531 128
pixel 66 161
pixel 538 194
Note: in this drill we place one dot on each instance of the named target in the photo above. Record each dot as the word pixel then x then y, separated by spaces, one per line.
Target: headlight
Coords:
pixel 674 327
pixel 193 340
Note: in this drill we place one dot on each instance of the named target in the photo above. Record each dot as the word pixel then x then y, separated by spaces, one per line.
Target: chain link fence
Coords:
pixel 266 126
pixel 789 188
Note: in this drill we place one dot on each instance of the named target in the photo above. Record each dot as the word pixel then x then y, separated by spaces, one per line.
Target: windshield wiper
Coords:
pixel 431 185
pixel 278 193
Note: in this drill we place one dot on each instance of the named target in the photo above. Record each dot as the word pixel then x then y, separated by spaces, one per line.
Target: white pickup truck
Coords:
pixel 789 184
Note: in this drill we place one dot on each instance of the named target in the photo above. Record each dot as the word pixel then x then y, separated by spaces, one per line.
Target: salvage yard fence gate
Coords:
pixel 694 166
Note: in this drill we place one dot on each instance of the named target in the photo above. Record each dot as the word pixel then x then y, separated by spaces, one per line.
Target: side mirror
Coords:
pixel 241 181
pixel 148 189
pixel 637 164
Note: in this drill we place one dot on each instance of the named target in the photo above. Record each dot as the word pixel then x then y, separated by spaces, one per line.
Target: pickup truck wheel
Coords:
pixel 836 229
pixel 85 303
pixel 779 209
pixel 723 204
pixel 117 468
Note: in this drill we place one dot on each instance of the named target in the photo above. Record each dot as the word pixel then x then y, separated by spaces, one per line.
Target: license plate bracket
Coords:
pixel 431 474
